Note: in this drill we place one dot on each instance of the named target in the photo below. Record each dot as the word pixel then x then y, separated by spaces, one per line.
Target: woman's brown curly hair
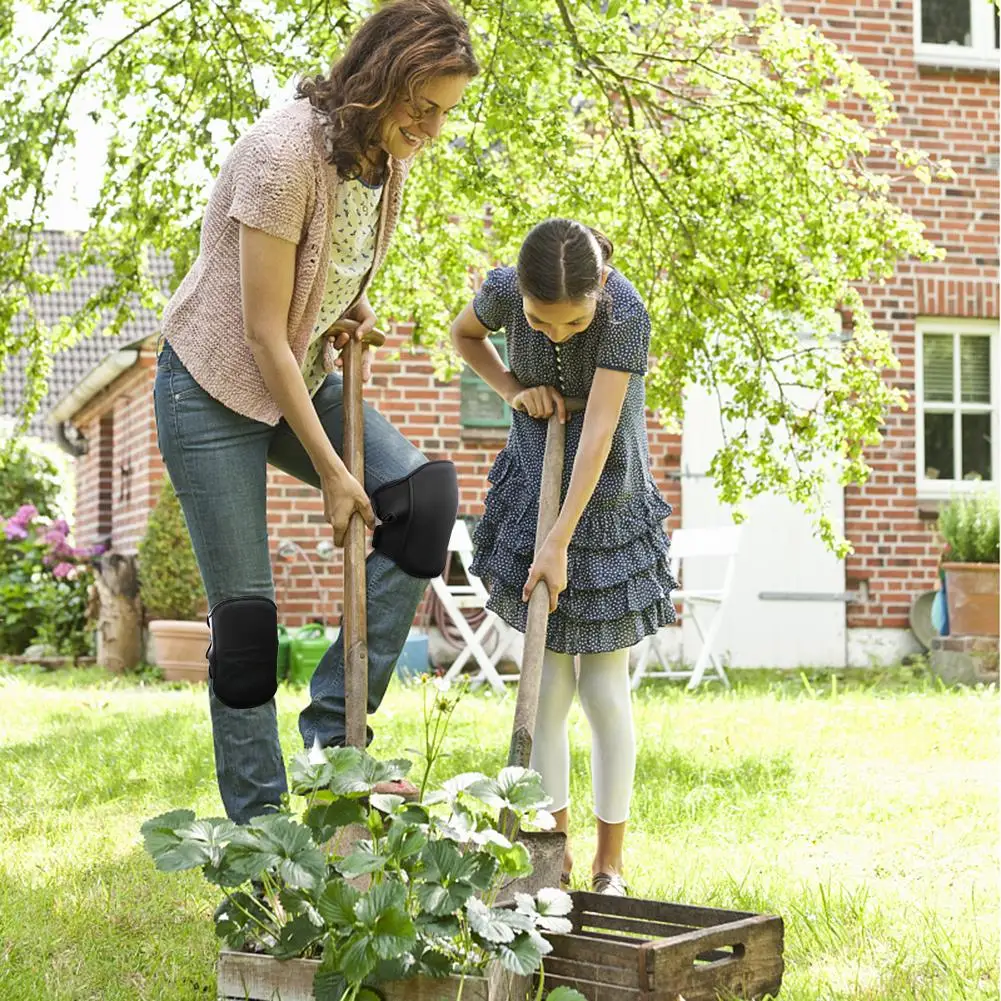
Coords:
pixel 399 48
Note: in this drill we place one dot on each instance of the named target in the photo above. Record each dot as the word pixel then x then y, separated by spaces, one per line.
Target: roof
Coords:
pixel 72 365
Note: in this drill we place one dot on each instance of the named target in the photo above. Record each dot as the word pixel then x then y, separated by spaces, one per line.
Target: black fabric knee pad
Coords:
pixel 243 655
pixel 417 514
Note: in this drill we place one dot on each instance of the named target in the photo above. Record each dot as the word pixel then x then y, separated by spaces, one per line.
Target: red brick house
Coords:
pixel 941 59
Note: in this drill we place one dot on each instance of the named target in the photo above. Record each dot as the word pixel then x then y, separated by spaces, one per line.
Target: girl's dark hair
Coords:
pixel 399 48
pixel 562 260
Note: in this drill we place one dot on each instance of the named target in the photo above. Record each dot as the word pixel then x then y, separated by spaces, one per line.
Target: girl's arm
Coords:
pixel 470 338
pixel 601 418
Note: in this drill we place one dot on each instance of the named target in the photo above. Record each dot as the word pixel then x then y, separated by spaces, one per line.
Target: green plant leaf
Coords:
pixel 359 862
pixel 295 937
pixel 276 842
pixel 564 994
pixel 300 902
pixel 325 819
pixel 522 956
pixel 329 983
pixel 385 802
pixel 337 904
pixel 434 926
pixel 514 861
pixel 486 924
pixel 358 958
pixel 405 841
pixel 443 900
pixel 433 963
pixel 307 775
pixel 162 840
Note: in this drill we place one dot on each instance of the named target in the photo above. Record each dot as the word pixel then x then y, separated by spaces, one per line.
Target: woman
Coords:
pixel 297 224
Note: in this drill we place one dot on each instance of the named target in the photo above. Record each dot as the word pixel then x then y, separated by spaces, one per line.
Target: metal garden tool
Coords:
pixel 546 847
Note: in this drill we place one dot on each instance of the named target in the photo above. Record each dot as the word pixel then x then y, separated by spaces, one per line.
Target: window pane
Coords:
pixel 946 22
pixel 975 369
pixel 977 447
pixel 938 368
pixel 479 405
pixel 939 447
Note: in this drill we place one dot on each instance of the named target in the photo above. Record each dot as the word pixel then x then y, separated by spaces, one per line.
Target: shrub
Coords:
pixel 169 583
pixel 969 525
pixel 44 581
pixel 27 478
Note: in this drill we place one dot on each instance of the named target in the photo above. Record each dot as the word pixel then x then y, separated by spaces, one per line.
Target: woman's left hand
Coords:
pixel 355 323
pixel 550 565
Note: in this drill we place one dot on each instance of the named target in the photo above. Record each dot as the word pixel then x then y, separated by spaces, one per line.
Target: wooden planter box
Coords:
pixel 626 949
pixel 246 976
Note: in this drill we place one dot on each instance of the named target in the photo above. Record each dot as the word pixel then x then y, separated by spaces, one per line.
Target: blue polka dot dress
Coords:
pixel 619 579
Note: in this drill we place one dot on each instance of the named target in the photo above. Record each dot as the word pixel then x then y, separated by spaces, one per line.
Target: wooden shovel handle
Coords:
pixel 530 678
pixel 355 619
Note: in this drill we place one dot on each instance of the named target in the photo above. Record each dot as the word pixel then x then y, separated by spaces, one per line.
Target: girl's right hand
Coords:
pixel 343 497
pixel 541 401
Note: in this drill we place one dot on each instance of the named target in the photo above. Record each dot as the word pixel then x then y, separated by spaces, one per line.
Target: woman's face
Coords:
pixel 408 127
pixel 559 321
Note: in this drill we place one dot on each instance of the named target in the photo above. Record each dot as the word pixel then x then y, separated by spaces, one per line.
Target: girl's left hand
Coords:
pixel 550 565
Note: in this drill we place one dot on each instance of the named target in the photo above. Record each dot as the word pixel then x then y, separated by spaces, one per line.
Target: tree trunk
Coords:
pixel 119 629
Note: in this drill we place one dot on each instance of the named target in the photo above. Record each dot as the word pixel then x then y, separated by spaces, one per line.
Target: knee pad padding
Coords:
pixel 243 655
pixel 417 513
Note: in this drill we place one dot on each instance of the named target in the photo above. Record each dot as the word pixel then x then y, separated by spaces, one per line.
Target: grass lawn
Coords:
pixel 865 811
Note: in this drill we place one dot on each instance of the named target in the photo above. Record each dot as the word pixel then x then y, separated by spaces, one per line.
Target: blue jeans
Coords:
pixel 217 461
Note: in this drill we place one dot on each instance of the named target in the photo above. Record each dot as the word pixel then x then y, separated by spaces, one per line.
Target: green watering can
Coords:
pixel 306 648
pixel 284 652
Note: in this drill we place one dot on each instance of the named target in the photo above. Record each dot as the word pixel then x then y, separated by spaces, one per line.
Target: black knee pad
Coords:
pixel 417 514
pixel 243 656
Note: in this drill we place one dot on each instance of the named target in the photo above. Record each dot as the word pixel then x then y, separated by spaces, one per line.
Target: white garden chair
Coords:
pixel 455 598
pixel 705 606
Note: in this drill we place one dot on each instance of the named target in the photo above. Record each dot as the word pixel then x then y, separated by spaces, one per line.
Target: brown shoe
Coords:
pixel 609 884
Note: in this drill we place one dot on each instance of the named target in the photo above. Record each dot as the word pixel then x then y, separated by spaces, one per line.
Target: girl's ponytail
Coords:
pixel 605 245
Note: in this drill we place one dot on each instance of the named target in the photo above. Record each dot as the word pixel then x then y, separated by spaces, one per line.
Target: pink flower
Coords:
pixel 25 514
pixel 62 570
pixel 61 526
pixel 54 538
pixel 15 531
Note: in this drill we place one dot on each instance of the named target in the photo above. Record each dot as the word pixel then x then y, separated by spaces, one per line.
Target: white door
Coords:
pixel 787 607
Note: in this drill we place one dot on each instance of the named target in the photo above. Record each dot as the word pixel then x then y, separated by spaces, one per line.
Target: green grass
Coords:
pixel 863 811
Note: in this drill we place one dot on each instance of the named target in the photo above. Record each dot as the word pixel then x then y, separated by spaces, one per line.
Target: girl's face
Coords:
pixel 409 127
pixel 559 321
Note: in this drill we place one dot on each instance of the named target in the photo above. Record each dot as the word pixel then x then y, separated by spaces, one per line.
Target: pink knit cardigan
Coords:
pixel 276 179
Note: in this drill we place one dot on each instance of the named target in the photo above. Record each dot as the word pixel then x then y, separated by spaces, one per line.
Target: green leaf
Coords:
pixel 441 861
pixel 514 861
pixel 484 922
pixel 166 846
pixel 404 842
pixel 337 904
pixel 358 958
pixel 522 956
pixel 359 862
pixel 275 842
pixel 443 900
pixel 307 775
pixel 296 937
pixel 385 802
pixel 564 994
pixel 325 819
pixel 329 983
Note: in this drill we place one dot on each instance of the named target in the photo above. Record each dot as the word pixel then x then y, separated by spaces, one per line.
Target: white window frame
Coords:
pixel 943 489
pixel 980 55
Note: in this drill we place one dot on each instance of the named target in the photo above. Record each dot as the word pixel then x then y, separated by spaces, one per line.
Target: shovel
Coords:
pixel 545 847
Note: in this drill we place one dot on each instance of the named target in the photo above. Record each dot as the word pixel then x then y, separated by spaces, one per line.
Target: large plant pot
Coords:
pixel 180 649
pixel 972 593
pixel 245 976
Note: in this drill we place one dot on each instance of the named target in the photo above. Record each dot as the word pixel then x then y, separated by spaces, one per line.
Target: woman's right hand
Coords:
pixel 541 401
pixel 343 497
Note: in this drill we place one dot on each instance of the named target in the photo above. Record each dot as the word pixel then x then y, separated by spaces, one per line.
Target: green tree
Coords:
pixel 27 477
pixel 169 582
pixel 711 145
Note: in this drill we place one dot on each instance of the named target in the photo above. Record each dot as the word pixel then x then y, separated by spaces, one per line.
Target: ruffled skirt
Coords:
pixel 618 565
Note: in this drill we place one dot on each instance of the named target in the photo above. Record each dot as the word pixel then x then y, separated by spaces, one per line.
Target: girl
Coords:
pixel 575 328
pixel 297 225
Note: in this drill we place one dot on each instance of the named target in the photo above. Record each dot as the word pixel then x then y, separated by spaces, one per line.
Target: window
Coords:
pixel 957 405
pixel 479 405
pixel 962 33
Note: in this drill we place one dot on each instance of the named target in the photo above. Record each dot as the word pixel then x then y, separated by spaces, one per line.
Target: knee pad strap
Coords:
pixel 417 514
pixel 243 657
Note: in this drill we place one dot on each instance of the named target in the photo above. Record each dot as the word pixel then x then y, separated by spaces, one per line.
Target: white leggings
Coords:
pixel 607 701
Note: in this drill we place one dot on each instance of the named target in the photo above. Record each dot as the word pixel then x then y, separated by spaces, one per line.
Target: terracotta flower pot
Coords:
pixel 180 649
pixel 972 593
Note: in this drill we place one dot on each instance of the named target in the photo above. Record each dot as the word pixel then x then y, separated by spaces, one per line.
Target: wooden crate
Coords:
pixel 247 976
pixel 626 949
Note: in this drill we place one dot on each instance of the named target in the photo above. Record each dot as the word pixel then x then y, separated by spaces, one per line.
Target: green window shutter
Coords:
pixel 479 405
